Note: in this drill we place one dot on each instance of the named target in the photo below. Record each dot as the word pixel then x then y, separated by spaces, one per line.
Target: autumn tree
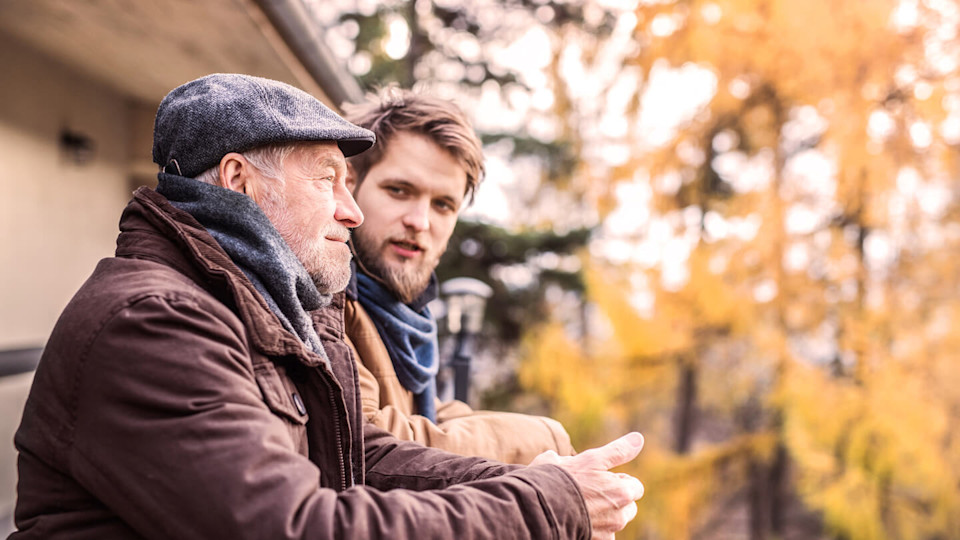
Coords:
pixel 796 210
pixel 769 290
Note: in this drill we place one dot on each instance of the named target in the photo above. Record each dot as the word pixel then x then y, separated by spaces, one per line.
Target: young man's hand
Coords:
pixel 610 497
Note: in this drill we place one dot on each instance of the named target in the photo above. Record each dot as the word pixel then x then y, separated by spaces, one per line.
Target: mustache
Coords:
pixel 409 239
pixel 336 231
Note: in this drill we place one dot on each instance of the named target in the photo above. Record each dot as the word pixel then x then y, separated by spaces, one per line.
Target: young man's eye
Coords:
pixel 444 206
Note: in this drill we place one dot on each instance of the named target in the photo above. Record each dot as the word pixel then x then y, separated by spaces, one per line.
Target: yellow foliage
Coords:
pixel 871 453
pixel 848 358
pixel 636 337
pixel 556 368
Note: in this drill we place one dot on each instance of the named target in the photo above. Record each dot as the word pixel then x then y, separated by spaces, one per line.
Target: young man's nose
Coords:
pixel 417 216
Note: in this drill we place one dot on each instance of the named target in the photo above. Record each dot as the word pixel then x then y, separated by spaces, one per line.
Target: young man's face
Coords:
pixel 410 199
pixel 313 211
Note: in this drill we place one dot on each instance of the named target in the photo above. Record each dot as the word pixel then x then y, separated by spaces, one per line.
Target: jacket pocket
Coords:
pixel 283 399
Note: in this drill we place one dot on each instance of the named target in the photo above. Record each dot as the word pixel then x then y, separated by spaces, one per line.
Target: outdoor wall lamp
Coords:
pixel 465 300
pixel 77 147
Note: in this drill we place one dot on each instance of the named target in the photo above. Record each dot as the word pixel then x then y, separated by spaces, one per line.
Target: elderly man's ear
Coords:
pixel 237 174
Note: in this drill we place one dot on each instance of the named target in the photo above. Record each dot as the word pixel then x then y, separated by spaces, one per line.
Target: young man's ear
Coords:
pixel 238 175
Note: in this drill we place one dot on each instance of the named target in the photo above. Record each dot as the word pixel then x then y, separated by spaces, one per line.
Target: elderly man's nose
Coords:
pixel 347 211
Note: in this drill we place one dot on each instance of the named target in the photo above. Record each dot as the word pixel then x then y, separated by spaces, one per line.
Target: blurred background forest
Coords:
pixel 732 225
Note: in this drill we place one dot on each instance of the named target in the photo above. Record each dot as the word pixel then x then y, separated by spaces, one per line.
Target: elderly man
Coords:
pixel 427 163
pixel 197 386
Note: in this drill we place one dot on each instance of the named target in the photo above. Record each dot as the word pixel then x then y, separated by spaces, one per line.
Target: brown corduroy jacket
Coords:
pixel 503 436
pixel 171 403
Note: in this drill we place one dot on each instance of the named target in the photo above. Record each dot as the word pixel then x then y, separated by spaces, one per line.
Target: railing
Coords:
pixel 14 361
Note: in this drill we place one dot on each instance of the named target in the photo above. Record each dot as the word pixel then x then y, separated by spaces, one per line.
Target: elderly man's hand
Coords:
pixel 610 497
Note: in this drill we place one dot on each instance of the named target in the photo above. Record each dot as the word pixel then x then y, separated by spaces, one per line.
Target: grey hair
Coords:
pixel 266 159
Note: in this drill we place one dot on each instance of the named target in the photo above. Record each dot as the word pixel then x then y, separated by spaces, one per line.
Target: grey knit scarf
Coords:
pixel 254 245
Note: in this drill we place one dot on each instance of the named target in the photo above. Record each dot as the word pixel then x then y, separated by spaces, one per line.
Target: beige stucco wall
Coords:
pixel 57 218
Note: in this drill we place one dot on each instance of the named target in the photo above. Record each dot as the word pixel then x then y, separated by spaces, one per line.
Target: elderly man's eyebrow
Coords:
pixel 337 164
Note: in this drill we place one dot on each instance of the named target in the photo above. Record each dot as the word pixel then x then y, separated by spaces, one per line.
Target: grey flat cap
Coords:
pixel 203 120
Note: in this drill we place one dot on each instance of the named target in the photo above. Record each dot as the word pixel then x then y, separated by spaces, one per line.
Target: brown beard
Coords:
pixel 406 283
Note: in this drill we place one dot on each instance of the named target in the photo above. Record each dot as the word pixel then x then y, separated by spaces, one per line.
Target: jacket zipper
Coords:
pixel 336 423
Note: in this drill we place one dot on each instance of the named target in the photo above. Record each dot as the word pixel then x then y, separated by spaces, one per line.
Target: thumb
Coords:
pixel 616 453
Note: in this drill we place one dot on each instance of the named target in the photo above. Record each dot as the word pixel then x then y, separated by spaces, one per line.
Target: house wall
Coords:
pixel 57 217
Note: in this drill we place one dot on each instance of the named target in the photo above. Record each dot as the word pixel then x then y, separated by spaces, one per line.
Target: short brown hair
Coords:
pixel 396 110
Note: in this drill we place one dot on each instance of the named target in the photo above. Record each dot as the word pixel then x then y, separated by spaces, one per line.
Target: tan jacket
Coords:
pixel 503 436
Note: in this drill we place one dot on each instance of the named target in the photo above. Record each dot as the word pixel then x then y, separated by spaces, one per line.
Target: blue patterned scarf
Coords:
pixel 254 245
pixel 411 340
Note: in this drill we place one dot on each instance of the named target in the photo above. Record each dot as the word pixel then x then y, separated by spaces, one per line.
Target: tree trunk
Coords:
pixel 416 45
pixel 776 490
pixel 686 405
pixel 758 501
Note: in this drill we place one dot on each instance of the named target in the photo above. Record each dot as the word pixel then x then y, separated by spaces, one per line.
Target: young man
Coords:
pixel 197 386
pixel 426 165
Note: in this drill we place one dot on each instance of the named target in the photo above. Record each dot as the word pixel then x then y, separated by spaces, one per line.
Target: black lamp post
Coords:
pixel 466 299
